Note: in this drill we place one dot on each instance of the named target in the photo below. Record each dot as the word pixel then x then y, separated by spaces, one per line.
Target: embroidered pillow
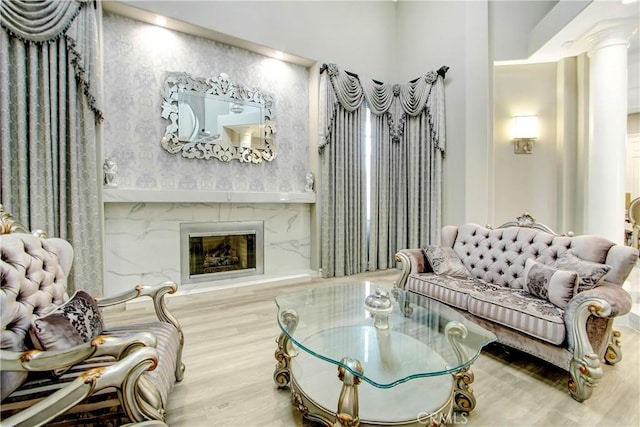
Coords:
pixel 444 261
pixel 590 273
pixel 75 322
pixel 551 284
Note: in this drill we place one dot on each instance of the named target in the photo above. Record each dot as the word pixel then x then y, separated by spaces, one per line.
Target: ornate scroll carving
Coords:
pixel 614 352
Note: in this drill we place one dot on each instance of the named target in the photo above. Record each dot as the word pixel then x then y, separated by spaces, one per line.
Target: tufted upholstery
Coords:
pixel 498 256
pixel 493 295
pixel 33 279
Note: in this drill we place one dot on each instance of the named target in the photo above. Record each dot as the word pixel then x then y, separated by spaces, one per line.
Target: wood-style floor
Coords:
pixel 229 354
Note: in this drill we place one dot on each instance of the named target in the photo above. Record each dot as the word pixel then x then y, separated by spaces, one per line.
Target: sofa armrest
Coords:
pixel 117 346
pixel 412 261
pixel 606 302
pixel 617 298
pixel 123 375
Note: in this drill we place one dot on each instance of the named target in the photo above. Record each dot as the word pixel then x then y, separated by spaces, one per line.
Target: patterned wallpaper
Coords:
pixel 136 57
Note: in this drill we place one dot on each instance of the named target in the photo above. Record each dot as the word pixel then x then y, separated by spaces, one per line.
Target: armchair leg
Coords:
pixel 613 354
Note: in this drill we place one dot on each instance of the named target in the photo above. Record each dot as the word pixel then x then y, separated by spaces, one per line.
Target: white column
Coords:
pixel 605 202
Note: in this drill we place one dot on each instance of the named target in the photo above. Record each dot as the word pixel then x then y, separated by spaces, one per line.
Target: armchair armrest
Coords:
pixel 117 346
pixel 156 293
pixel 122 375
pixel 412 261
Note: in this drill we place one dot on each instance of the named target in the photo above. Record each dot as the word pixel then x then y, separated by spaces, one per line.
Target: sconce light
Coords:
pixel 525 131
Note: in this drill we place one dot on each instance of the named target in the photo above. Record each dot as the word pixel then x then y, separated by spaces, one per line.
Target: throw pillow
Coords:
pixel 75 322
pixel 590 273
pixel 444 261
pixel 551 284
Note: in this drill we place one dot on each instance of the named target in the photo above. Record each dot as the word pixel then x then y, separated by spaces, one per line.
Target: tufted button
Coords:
pixel 476 244
pixel 481 256
pixel 473 266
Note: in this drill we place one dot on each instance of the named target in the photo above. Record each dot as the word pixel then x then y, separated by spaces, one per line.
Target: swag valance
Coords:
pixel 424 94
pixel 46 21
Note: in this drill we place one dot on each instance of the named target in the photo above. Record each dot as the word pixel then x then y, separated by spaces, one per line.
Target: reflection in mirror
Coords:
pixel 215 118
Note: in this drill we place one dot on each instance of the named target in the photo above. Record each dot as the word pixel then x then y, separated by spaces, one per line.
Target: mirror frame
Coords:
pixel 223 150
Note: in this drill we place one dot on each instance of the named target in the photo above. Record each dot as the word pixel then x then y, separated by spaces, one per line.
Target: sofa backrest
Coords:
pixel 33 280
pixel 498 255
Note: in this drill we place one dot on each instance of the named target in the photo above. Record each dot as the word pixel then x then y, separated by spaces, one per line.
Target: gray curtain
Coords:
pixel 50 125
pixel 343 198
pixel 408 144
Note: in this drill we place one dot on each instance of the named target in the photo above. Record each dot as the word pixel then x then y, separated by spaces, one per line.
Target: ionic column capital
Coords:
pixel 610 33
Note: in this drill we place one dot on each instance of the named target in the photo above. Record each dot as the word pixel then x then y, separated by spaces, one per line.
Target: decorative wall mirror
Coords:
pixel 216 118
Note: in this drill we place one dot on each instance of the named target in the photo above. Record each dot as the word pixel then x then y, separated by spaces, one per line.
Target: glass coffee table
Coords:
pixel 401 359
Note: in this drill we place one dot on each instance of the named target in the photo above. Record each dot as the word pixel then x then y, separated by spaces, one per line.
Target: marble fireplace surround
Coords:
pixel 142 234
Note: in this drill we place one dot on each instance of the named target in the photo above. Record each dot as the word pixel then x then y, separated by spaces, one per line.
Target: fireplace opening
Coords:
pixel 215 254
pixel 215 250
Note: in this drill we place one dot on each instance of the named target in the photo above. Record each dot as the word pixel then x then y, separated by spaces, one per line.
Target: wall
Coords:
pixel 142 239
pixel 526 182
pixel 427 40
pixel 136 57
pixel 398 41
pixel 357 35
pixel 510 23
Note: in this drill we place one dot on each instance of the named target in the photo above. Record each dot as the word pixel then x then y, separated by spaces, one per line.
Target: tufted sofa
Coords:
pixel 558 315
pixel 117 375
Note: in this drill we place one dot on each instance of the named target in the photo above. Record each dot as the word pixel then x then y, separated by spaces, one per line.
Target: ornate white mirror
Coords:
pixel 216 118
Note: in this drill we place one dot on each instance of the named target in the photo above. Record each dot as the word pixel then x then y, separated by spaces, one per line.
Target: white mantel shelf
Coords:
pixel 115 195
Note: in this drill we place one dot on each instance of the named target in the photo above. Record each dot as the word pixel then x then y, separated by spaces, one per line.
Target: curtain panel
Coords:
pixel 408 141
pixel 50 125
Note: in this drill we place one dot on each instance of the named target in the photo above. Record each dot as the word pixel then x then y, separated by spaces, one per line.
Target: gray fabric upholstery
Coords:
pixel 33 281
pixel 494 297
pixel 521 311
pixel 444 260
pixel 168 344
pixel 450 290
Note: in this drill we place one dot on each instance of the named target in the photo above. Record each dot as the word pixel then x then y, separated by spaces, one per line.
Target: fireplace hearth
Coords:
pixel 212 251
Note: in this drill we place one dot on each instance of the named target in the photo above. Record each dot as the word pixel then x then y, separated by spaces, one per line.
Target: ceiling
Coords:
pixel 564 31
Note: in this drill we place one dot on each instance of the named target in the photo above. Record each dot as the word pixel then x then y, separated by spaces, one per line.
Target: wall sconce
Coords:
pixel 525 131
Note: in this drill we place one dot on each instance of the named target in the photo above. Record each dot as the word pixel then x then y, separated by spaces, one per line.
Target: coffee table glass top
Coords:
pixel 425 339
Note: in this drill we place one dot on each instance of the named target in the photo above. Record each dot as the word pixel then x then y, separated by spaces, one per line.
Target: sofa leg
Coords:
pixel 614 353
pixel 585 375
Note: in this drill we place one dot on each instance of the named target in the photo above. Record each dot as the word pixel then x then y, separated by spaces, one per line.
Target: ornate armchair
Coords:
pixel 59 363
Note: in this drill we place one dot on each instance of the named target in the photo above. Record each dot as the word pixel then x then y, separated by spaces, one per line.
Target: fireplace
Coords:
pixel 219 250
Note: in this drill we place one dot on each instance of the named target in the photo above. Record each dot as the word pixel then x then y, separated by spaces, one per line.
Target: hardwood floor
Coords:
pixel 229 354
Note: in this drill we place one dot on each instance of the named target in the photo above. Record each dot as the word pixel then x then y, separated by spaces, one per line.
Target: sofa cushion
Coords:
pixel 449 290
pixel 590 274
pixel 551 284
pixel 75 322
pixel 168 345
pixel 521 311
pixel 444 260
